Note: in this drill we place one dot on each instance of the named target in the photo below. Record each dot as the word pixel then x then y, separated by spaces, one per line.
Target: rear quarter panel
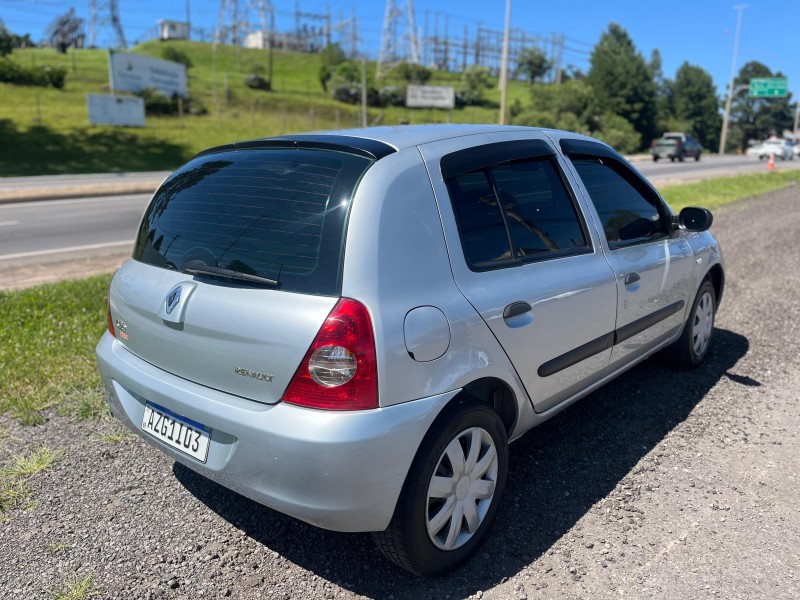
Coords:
pixel 396 260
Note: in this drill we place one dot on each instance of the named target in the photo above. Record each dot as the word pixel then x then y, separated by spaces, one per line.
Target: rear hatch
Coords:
pixel 236 266
pixel 667 146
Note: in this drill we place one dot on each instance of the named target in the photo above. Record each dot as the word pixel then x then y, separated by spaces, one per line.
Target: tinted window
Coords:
pixel 278 214
pixel 535 218
pixel 626 215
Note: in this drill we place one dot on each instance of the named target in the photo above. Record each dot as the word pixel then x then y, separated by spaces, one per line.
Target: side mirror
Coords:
pixel 692 218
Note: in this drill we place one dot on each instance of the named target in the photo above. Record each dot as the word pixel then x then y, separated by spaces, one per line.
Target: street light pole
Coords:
pixel 504 66
pixel 724 134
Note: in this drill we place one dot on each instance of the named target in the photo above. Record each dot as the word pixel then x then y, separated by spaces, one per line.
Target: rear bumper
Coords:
pixel 338 470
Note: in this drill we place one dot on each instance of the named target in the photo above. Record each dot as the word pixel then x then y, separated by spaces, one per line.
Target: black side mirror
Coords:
pixel 695 219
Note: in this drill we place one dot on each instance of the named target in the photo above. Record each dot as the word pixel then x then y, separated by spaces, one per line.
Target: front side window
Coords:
pixel 515 212
pixel 626 214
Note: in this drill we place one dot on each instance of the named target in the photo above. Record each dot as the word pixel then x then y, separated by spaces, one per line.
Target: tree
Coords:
pixel 758 118
pixel 330 56
pixel 6 40
pixel 694 101
pixel 473 82
pixel 532 64
pixel 572 106
pixel 9 41
pixel 622 82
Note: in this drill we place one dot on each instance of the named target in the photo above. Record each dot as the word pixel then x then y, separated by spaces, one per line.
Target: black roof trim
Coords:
pixel 571 146
pixel 341 143
pixel 479 157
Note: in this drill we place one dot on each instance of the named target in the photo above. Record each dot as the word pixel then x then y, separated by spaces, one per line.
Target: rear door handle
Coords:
pixel 515 309
pixel 631 278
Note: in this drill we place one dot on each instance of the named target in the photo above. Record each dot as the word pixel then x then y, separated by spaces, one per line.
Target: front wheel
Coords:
pixel 691 348
pixel 450 498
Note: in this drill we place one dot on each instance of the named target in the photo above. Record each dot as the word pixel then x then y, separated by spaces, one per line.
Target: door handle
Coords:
pixel 515 309
pixel 631 278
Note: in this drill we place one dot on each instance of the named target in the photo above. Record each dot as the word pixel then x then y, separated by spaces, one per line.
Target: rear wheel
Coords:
pixel 452 493
pixel 691 348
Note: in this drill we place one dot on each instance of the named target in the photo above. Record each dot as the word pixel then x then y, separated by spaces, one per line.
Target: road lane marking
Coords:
pixel 128 243
pixel 8 223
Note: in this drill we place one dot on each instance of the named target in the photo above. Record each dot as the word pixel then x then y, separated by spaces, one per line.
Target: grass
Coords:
pixel 15 489
pixel 47 339
pixel 714 193
pixel 47 130
pixel 57 547
pixel 76 588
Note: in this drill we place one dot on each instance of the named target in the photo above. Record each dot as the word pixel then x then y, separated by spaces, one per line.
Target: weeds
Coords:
pixel 75 588
pixel 15 489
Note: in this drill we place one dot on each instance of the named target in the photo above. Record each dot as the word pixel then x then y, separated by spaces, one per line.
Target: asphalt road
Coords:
pixel 709 166
pixel 662 484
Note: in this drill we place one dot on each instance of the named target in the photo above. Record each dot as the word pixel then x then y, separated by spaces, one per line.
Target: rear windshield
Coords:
pixel 273 213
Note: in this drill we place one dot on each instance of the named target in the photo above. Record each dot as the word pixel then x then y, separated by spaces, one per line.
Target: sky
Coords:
pixel 701 32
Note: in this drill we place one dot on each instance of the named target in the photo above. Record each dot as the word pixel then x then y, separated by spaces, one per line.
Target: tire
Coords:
pixel 423 537
pixel 655 158
pixel 691 348
pixel 697 157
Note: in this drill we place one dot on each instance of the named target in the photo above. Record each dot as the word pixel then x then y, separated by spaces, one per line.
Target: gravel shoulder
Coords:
pixel 661 484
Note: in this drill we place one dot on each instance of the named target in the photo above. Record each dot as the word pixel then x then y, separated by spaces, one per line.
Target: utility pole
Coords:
pixel 504 66
pixel 724 134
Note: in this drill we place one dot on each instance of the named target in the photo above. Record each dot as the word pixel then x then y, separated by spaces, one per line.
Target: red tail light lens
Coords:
pixel 111 322
pixel 339 371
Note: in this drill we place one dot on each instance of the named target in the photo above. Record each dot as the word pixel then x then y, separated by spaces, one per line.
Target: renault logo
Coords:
pixel 173 298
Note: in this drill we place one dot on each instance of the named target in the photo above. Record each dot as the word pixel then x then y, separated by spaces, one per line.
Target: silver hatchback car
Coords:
pixel 349 327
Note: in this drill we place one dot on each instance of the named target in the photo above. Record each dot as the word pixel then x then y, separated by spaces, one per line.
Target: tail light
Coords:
pixel 339 371
pixel 111 322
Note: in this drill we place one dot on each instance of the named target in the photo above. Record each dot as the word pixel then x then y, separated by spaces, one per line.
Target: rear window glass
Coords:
pixel 276 213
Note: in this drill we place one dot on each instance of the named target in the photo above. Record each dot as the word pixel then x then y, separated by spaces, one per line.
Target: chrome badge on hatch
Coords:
pixel 172 299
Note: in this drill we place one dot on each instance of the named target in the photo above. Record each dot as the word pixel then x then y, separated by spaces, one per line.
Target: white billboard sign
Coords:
pixel 430 96
pixel 133 73
pixel 115 110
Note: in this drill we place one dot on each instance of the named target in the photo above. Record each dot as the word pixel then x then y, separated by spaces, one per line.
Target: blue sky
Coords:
pixel 699 31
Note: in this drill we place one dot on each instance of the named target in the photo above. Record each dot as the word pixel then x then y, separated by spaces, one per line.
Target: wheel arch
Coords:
pixel 497 394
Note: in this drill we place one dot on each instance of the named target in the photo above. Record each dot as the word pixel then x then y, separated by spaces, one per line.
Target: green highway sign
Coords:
pixel 768 87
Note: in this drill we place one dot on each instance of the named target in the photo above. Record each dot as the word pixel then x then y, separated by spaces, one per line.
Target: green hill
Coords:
pixel 46 130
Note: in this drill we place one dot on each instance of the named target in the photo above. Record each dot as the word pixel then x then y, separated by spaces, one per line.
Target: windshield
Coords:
pixel 277 214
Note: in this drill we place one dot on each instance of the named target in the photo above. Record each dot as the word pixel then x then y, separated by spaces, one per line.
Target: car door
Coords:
pixel 523 256
pixel 652 261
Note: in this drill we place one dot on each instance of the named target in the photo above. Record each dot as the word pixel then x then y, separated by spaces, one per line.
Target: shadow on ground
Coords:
pixel 44 151
pixel 586 451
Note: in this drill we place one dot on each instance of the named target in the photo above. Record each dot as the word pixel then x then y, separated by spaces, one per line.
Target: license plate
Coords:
pixel 185 435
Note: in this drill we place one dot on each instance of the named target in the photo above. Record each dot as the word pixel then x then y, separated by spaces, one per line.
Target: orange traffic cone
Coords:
pixel 771 163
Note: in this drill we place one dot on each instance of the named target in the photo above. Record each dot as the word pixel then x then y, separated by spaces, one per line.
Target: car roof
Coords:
pixel 377 142
pixel 405 136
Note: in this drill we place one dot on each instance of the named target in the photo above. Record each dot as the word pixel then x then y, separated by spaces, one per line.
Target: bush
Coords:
pixel 257 82
pixel 156 103
pixel 43 75
pixel 175 55
pixel 379 97
pixel 412 73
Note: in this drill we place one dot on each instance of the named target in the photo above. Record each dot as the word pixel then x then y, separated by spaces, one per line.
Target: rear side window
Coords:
pixel 515 211
pixel 627 215
pixel 274 213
